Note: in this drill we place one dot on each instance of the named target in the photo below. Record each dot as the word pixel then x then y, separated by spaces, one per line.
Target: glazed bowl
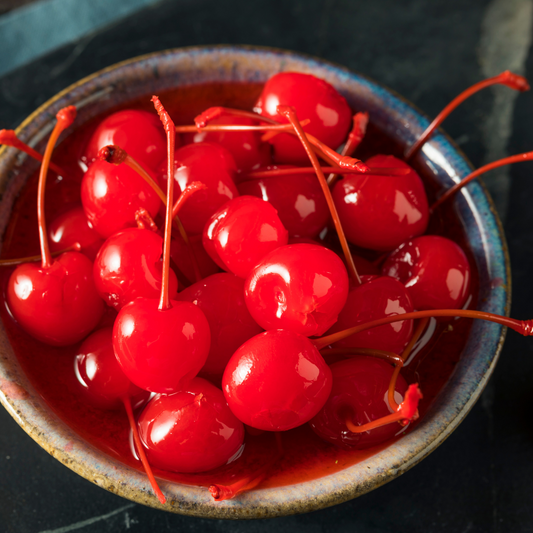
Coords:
pixel 401 123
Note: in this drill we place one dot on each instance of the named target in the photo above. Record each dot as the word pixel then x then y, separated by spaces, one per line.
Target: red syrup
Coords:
pixel 306 456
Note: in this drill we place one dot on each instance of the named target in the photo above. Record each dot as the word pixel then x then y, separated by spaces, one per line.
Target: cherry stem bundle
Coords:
pixel 65 117
pixel 9 138
pixel 509 79
pixel 519 158
pixel 289 112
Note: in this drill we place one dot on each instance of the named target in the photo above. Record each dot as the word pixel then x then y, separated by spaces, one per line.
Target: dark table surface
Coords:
pixel 481 478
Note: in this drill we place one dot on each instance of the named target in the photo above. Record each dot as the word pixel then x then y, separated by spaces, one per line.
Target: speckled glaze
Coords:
pixel 155 72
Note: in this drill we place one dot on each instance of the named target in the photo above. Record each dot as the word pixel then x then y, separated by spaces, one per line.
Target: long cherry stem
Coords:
pixel 32 258
pixel 414 339
pixel 519 158
pixel 238 127
pixel 291 116
pixel 65 117
pixel 381 171
pixel 9 138
pixel 524 327
pixel 140 450
pixel 170 130
pixel 514 81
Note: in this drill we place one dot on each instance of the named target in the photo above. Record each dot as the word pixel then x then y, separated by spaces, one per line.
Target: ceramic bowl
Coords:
pixel 400 121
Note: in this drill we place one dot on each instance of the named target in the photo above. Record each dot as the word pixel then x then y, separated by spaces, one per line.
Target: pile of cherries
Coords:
pixel 227 303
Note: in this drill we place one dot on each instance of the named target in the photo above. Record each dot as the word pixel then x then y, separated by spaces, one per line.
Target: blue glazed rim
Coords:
pixel 401 121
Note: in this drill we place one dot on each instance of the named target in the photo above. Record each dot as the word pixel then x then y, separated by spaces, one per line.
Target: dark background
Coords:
pixel 481 478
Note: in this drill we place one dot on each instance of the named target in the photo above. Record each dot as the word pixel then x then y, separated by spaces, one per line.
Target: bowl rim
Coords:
pixel 439 422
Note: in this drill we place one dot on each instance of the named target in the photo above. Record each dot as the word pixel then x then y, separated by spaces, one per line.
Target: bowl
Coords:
pixel 402 123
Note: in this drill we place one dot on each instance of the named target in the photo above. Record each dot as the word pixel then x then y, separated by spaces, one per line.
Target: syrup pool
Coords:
pixel 51 369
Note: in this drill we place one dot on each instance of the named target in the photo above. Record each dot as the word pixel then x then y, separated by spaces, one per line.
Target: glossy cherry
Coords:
pixel 301 287
pixel 221 298
pixel 381 212
pixel 298 199
pixel 192 430
pixel 241 233
pixel 434 270
pixel 276 381
pixel 313 99
pixel 359 393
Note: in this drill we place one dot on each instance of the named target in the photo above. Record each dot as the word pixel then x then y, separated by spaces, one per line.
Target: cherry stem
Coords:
pixel 289 112
pixel 195 186
pixel 9 138
pixel 414 339
pixel 356 135
pixel 144 220
pixel 513 81
pixel 211 113
pixel 76 247
pixel 140 450
pixel 519 158
pixel 524 327
pixel 170 130
pixel 239 127
pixel 65 117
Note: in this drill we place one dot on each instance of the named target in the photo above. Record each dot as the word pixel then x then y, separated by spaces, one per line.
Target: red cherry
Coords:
pixel 57 304
pixel 276 381
pixel 245 146
pixel 221 298
pixel 301 287
pixel 111 195
pixel 137 132
pixel 298 199
pixel 102 382
pixel 211 165
pixel 313 99
pixel 73 227
pixel 128 266
pixel 161 350
pixel 381 212
pixel 241 233
pixel 377 297
pixel 192 430
pixel 359 392
pixel 434 270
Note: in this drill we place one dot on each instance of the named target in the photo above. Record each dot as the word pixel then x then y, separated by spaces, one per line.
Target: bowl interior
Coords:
pixel 402 123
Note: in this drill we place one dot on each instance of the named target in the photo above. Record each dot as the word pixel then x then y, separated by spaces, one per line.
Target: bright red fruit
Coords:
pixel 221 298
pixel 276 381
pixel 161 350
pixel 241 233
pixel 313 99
pixel 434 270
pixel 381 212
pixel 301 287
pixel 359 392
pixel 129 266
pixel 137 132
pixel 58 304
pixel 192 430
pixel 377 297
pixel 111 195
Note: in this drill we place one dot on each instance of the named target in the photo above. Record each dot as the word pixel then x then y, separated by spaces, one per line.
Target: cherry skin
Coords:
pixel 102 383
pixel 111 196
pixel 377 297
pixel 221 298
pixel 301 287
pixel 73 227
pixel 298 199
pixel 128 266
pixel 161 351
pixel 192 430
pixel 245 146
pixel 276 381
pixel 359 391
pixel 382 212
pixel 137 132
pixel 434 270
pixel 57 305
pixel 241 233
pixel 211 165
pixel 313 99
